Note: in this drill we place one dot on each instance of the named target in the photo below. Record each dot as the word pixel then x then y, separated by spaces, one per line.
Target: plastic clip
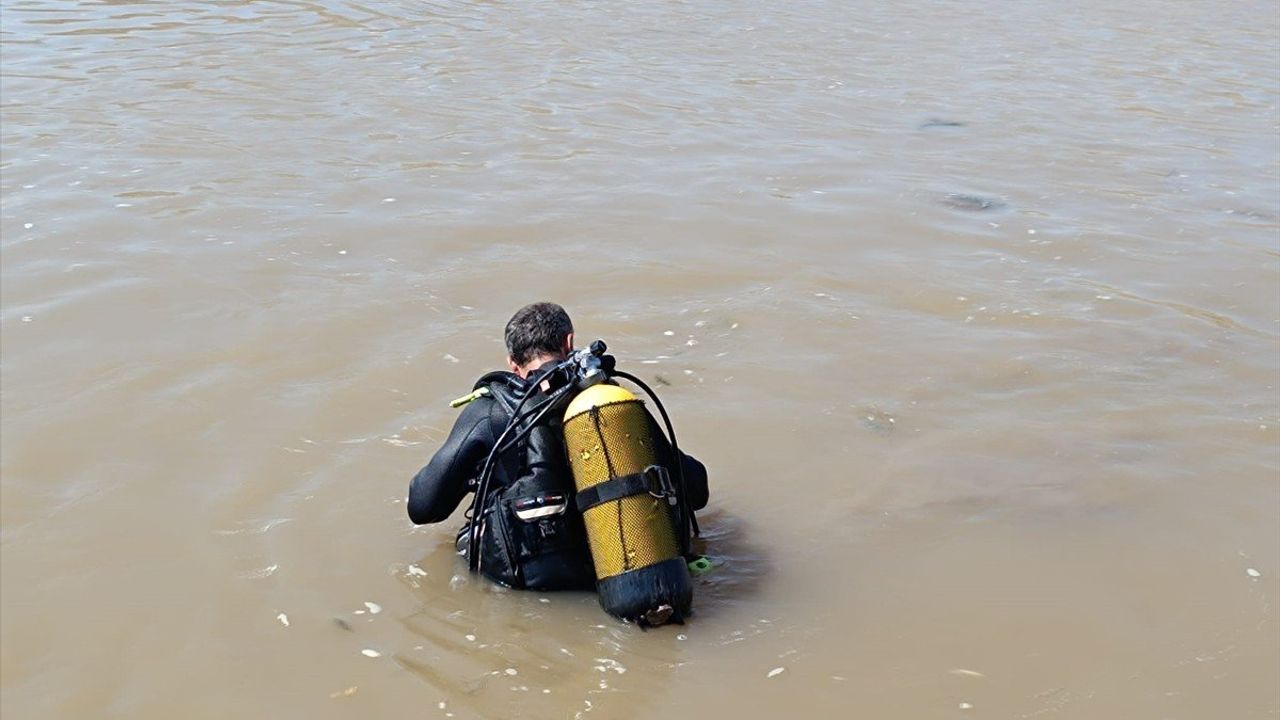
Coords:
pixel 475 395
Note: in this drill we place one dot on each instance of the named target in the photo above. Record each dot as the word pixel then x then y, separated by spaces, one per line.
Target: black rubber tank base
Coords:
pixel 640 595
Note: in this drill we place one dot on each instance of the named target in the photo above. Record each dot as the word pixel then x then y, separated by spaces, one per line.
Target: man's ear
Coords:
pixel 568 343
pixel 512 366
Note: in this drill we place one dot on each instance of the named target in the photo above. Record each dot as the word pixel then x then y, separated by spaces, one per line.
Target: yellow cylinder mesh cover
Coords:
pixel 607 435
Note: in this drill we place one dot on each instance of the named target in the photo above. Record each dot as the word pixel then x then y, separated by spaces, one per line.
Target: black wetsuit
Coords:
pixel 437 490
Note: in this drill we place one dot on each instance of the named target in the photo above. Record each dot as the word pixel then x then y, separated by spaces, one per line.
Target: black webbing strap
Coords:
pixel 653 481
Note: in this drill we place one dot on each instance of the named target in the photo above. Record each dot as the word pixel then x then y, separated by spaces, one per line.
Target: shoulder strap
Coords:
pixel 507 387
pixel 502 377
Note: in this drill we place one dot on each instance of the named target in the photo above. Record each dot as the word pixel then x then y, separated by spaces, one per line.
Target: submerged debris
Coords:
pixel 971 203
pixel 940 123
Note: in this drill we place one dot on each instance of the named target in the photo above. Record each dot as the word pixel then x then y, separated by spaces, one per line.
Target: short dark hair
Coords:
pixel 537 329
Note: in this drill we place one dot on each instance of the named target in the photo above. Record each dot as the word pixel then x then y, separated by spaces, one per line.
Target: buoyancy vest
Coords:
pixel 531 534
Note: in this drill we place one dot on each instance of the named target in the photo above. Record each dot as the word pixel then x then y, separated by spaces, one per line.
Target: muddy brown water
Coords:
pixel 971 310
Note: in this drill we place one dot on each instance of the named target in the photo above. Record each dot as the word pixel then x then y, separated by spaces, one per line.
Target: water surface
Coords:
pixel 971 310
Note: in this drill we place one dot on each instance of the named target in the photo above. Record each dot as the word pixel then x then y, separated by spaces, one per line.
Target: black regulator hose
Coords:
pixel 691 522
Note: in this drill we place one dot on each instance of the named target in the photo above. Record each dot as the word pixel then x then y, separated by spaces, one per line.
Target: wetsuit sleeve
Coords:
pixel 695 481
pixel 438 488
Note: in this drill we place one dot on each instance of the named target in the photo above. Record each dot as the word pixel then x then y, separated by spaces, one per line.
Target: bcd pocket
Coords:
pixel 536 542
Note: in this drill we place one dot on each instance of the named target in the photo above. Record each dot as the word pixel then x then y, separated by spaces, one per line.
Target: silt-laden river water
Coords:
pixel 970 309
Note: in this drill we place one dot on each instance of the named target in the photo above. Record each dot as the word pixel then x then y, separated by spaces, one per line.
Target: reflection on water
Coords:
pixel 740 565
pixel 490 652
pixel 971 314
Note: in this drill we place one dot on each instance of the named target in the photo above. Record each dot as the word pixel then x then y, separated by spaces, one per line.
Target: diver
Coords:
pixel 525 526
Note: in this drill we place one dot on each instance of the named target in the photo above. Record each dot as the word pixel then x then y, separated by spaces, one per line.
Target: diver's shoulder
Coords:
pixel 504 379
pixel 500 387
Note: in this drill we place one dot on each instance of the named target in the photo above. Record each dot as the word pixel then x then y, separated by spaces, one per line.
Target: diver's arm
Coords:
pixel 695 481
pixel 438 488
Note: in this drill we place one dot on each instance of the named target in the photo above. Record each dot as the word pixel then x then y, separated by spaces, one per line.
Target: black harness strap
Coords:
pixel 513 386
pixel 654 481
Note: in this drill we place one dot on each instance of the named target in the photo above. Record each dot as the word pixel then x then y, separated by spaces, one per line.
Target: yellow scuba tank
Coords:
pixel 627 502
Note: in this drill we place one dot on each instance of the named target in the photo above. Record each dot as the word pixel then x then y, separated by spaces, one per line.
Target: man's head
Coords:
pixel 536 334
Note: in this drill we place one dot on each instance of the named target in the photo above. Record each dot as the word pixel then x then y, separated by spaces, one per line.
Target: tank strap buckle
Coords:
pixel 654 480
pixel 659 481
